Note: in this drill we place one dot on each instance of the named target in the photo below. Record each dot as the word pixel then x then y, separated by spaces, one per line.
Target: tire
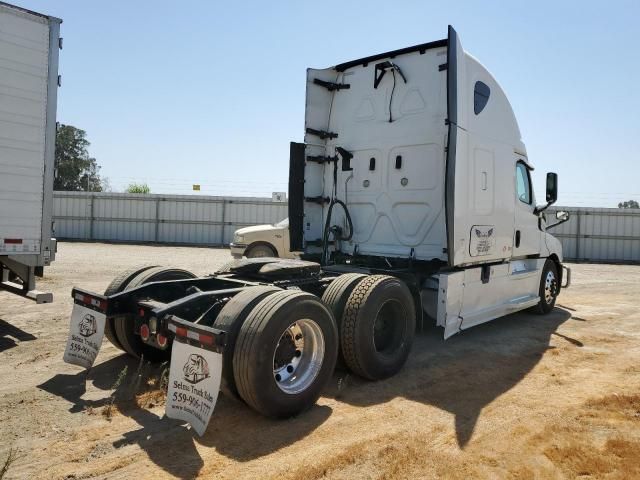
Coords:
pixel 260 250
pixel 549 288
pixel 117 285
pixel 336 296
pixel 230 319
pixel 263 353
pixel 125 326
pixel 378 327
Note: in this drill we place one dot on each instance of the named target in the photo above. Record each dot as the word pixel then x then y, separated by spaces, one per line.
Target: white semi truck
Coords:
pixel 29 44
pixel 411 200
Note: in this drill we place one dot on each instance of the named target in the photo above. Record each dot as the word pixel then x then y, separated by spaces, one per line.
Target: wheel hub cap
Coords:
pixel 298 356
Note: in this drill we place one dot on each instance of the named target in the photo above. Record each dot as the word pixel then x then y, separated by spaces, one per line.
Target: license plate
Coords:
pixel 194 383
pixel 86 330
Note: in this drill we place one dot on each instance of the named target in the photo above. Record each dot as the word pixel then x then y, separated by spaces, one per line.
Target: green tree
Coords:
pixel 75 169
pixel 138 188
pixel 629 204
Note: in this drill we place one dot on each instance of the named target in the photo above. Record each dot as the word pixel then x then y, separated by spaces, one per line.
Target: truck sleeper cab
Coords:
pixel 411 201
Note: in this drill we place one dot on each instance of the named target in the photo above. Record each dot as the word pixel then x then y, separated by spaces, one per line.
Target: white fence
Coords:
pixel 178 219
pixel 599 234
pixel 591 234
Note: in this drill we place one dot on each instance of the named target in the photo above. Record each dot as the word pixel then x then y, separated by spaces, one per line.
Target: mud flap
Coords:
pixel 194 374
pixel 86 331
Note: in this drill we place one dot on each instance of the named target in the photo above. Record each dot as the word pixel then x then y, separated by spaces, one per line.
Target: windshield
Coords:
pixel 283 224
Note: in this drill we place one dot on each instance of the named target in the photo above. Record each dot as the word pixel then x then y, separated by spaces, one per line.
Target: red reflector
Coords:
pixel 206 339
pixel 144 332
pixel 13 241
pixel 162 340
pixel 181 331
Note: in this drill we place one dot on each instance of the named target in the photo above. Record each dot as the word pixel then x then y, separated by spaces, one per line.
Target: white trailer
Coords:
pixel 411 202
pixel 29 44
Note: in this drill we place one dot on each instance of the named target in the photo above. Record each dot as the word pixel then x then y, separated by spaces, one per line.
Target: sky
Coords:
pixel 211 93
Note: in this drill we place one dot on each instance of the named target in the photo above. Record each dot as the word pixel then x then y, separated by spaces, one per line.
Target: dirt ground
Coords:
pixel 521 397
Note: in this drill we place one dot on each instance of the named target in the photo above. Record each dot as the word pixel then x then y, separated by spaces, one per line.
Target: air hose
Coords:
pixel 327 226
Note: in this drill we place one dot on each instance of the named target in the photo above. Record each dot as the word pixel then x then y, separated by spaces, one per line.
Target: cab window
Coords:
pixel 523 183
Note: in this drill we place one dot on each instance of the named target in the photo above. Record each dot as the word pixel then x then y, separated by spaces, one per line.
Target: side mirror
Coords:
pixel 552 188
pixel 561 216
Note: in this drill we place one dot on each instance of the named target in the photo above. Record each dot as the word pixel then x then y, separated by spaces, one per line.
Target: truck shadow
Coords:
pixel 467 372
pixel 235 430
pixel 9 334
pixel 462 376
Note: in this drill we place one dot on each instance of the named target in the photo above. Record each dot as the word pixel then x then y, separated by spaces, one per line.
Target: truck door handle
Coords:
pixel 517 238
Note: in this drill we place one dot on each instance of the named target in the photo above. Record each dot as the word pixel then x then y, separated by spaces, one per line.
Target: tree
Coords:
pixel 138 188
pixel 629 204
pixel 75 169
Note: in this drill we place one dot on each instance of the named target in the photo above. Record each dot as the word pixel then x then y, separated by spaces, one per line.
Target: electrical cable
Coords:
pixel 393 72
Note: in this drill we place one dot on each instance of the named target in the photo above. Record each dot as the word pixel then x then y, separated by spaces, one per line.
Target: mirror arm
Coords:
pixel 558 223
pixel 539 210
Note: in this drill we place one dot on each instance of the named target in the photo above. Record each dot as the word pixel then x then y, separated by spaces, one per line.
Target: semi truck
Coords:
pixel 29 44
pixel 412 203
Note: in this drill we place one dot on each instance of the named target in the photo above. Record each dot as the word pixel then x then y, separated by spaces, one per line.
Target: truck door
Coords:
pixel 526 233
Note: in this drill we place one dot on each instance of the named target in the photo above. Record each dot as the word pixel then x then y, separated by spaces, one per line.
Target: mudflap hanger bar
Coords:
pixel 90 300
pixel 199 336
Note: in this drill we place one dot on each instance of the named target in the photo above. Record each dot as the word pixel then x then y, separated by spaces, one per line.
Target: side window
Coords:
pixel 523 183
pixel 481 93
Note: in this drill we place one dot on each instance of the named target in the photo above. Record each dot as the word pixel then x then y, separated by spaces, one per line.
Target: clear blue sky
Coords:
pixel 175 93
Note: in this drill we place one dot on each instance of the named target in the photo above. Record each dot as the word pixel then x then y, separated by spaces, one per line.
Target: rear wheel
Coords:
pixel 118 285
pixel 260 250
pixel 336 296
pixel 549 288
pixel 285 353
pixel 378 327
pixel 125 326
pixel 230 320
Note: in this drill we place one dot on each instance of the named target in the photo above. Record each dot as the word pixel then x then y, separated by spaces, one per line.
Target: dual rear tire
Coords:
pixel 120 330
pixel 377 320
pixel 282 345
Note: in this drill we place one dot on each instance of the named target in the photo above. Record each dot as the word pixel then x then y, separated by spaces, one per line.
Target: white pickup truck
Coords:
pixel 262 241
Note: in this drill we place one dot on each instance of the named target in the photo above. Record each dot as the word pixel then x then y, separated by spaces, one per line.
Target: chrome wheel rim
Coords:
pixel 298 356
pixel 550 287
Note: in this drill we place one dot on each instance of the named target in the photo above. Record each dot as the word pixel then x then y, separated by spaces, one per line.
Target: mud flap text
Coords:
pixel 85 336
pixel 194 382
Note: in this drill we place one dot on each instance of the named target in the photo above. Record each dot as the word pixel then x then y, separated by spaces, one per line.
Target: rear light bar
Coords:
pixel 90 300
pixel 13 241
pixel 197 335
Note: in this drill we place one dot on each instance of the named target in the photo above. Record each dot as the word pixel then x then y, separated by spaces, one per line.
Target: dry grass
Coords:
pixel 11 457
pixel 393 456
pixel 619 457
pixel 627 404
pixel 577 445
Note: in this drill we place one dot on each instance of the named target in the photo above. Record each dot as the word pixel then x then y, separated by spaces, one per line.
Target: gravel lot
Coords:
pixel 520 397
